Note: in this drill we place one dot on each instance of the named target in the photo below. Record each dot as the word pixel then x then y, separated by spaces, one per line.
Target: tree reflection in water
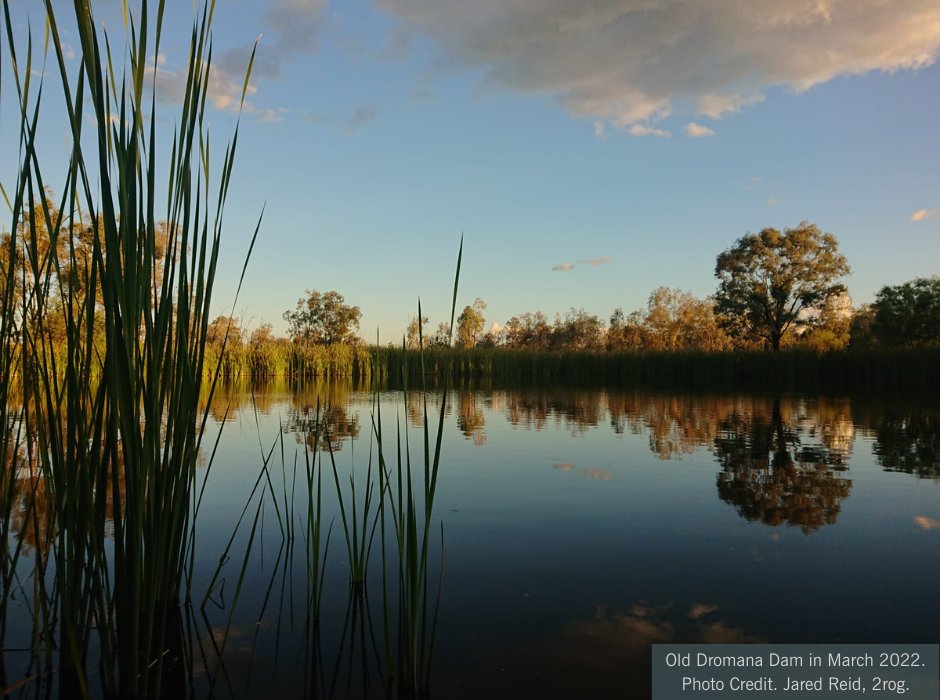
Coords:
pixel 471 419
pixel 778 468
pixel 676 424
pixel 319 414
pixel 909 441
pixel 578 410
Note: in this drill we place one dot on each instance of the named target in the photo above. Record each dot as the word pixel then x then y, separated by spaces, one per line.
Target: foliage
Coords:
pixel 578 331
pixel 767 279
pixel 441 337
pixel 530 331
pixel 414 333
pixel 224 331
pixel 861 328
pixel 908 314
pixel 626 332
pixel 470 324
pixel 112 318
pixel 676 320
pixel 829 328
pixel 323 319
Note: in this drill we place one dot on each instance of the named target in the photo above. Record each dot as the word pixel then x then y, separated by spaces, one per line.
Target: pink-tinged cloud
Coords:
pixel 700 610
pixel 630 62
pixel 594 262
pixel 923 214
pixel 564 267
pixel 643 130
pixel 698 131
pixel 925 523
pixel 292 27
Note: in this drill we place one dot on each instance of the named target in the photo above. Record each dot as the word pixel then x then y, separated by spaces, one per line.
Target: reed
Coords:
pixel 14 464
pixel 112 335
pixel 278 357
pixel 359 519
pixel 913 370
pixel 9 444
pixel 317 546
pixel 409 494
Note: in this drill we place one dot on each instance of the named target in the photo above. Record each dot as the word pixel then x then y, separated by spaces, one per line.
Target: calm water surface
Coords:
pixel 579 526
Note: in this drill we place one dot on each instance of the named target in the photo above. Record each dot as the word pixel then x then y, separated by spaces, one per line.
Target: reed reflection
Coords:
pixel 780 465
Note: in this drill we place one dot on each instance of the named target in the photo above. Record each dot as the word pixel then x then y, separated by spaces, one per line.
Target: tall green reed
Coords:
pixel 112 338
pixel 317 546
pixel 12 439
pixel 408 495
pixel 359 520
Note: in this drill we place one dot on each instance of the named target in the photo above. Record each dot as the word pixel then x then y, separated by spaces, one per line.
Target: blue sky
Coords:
pixel 589 152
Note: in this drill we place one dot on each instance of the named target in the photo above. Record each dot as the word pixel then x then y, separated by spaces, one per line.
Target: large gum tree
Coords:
pixel 766 279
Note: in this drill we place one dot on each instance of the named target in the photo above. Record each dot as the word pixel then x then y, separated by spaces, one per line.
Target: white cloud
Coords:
pixel 599 129
pixel 643 130
pixel 564 267
pixel 631 62
pixel 923 214
pixel 272 116
pixel 772 200
pixel 294 27
pixel 715 105
pixel 223 91
pixel 697 131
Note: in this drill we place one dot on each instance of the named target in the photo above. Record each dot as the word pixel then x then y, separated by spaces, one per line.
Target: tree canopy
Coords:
pixel 767 279
pixel 676 320
pixel 908 314
pixel 415 332
pixel 470 324
pixel 323 319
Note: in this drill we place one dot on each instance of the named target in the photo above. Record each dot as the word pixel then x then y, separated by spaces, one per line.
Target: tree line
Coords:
pixel 776 289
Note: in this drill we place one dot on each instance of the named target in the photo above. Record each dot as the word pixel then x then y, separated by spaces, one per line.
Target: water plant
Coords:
pixel 410 493
pixel 359 523
pixel 112 330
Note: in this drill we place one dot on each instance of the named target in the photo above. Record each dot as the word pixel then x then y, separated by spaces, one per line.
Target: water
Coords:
pixel 570 530
pixel 579 526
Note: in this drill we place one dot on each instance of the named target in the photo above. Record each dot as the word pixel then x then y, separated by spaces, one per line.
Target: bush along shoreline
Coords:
pixel 876 370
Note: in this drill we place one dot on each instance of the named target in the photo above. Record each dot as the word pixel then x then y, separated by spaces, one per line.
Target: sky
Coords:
pixel 588 152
